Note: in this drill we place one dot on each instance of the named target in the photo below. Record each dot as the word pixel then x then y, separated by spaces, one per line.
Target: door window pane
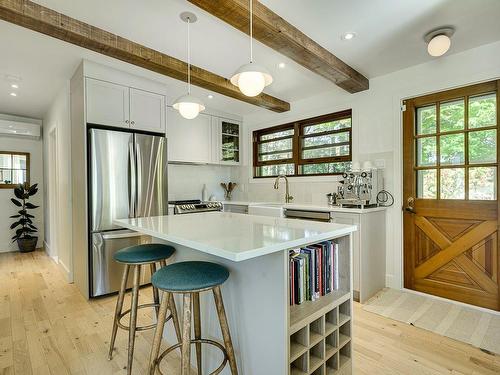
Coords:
pixel 451 116
pixel 426 151
pixel 451 149
pixel 483 111
pixel 426 120
pixel 482 183
pixel 483 146
pixel 452 183
pixel 427 183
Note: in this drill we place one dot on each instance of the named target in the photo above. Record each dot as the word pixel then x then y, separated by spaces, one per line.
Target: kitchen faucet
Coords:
pixel 288 197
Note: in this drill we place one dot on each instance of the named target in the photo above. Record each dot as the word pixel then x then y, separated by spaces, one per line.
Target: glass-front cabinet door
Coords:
pixel 228 134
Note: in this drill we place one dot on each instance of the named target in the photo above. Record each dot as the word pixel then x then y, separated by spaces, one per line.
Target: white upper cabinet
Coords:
pixel 189 140
pixel 107 103
pixel 147 110
pixel 111 104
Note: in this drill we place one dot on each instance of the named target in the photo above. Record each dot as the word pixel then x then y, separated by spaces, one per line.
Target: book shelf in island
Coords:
pixel 320 340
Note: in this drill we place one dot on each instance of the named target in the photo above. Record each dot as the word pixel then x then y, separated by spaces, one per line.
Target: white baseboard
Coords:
pixel 65 269
pixel 389 281
pixel 49 252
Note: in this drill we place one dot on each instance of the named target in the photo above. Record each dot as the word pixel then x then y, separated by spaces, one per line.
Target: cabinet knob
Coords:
pixel 133 122
pixel 126 121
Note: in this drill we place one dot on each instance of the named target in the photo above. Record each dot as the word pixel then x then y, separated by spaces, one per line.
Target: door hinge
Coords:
pixel 403 107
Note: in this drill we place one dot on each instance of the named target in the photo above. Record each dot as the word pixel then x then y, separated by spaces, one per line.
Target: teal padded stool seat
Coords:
pixel 135 257
pixel 190 276
pixel 147 253
pixel 189 279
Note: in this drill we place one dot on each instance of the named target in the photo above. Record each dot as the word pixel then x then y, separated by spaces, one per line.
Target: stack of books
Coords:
pixel 313 272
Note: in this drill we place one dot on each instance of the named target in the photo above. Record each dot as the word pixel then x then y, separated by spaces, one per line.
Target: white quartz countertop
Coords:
pixel 233 236
pixel 309 207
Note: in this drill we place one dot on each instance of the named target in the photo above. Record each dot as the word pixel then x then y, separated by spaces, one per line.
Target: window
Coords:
pixel 14 169
pixel 317 146
pixel 456 145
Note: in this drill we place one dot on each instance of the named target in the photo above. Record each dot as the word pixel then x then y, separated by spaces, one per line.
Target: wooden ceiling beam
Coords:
pixel 276 33
pixel 47 21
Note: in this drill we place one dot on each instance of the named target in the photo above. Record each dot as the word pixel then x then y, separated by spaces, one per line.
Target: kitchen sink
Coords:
pixel 267 209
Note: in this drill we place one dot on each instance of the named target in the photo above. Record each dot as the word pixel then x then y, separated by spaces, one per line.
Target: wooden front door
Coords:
pixel 451 246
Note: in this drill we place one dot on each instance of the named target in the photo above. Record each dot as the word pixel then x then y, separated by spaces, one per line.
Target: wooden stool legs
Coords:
pixel 197 329
pixel 118 310
pixel 224 326
pixel 167 303
pixel 191 307
pixel 133 318
pixel 155 349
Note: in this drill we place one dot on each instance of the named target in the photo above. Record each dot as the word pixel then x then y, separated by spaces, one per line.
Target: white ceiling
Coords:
pixel 389 38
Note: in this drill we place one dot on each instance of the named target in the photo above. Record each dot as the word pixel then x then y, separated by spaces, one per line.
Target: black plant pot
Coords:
pixel 27 245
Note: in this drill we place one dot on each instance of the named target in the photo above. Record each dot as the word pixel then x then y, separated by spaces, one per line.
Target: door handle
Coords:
pixel 410 202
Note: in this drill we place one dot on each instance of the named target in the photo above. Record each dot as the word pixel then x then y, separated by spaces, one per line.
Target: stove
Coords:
pixel 194 206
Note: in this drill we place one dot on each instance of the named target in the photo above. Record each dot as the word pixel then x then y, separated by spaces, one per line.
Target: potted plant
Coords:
pixel 26 240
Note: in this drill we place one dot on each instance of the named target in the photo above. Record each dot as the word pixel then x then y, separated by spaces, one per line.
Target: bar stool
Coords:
pixel 189 279
pixel 136 257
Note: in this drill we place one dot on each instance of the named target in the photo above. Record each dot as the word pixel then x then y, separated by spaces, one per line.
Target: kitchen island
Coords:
pixel 269 335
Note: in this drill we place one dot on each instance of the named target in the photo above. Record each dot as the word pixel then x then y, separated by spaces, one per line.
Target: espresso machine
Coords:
pixel 359 188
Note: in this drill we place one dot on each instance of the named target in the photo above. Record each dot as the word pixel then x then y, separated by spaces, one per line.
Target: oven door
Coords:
pixel 308 215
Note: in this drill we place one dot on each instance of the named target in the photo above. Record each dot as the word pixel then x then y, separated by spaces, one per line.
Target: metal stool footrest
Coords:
pixel 141 328
pixel 195 341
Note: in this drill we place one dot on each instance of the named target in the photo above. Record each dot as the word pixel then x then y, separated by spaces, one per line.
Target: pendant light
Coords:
pixel 189 106
pixel 251 78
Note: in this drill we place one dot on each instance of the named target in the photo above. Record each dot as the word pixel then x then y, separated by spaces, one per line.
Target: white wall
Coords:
pixel 186 181
pixel 376 130
pixel 34 147
pixel 58 198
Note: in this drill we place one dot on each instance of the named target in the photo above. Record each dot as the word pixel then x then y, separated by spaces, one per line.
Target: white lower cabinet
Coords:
pixel 189 141
pixel 368 251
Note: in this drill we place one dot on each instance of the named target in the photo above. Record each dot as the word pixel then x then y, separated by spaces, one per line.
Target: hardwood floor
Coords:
pixel 47 327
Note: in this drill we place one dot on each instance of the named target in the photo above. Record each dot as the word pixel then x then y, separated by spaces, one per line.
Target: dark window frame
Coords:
pixel 13 153
pixel 297 148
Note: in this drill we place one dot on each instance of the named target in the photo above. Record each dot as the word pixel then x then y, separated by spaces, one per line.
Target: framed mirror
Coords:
pixel 14 168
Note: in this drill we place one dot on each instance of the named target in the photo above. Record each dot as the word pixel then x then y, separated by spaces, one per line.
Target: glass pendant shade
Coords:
pixel 189 106
pixel 251 79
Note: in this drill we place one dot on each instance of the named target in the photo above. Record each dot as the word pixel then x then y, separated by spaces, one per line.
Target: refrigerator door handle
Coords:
pixel 132 193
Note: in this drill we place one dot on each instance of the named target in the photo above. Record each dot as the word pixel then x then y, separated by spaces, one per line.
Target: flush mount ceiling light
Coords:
pixel 188 105
pixel 210 96
pixel 348 35
pixel 14 86
pixel 439 41
pixel 13 94
pixel 281 65
pixel 251 78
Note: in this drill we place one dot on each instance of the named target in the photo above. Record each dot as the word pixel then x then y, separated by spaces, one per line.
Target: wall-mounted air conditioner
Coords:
pixel 20 129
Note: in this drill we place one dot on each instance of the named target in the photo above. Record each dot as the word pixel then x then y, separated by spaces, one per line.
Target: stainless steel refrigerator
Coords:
pixel 127 179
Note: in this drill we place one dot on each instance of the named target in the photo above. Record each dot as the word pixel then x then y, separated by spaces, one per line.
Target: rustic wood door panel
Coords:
pixel 451 246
